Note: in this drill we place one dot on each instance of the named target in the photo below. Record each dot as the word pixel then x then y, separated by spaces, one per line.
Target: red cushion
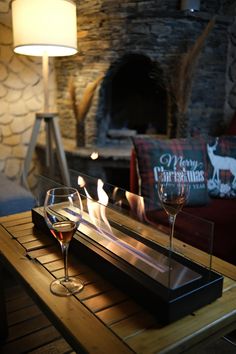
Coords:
pixel 223 213
pixel 231 130
pixel 134 185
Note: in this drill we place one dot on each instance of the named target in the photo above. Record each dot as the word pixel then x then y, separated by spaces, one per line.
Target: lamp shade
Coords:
pixel 44 26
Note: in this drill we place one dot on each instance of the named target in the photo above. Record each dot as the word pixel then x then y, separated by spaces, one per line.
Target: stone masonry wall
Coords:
pixel 230 104
pixel 108 30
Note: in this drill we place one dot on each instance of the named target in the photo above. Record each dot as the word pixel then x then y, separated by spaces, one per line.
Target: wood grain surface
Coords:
pixel 103 318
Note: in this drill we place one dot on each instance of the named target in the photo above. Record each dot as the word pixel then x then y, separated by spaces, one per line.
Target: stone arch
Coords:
pixel 135 97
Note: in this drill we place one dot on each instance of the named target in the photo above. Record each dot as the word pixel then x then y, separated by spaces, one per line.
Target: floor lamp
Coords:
pixel 45 28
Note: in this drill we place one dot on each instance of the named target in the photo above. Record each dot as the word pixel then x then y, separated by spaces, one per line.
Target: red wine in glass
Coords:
pixel 63 214
pixel 63 231
pixel 173 192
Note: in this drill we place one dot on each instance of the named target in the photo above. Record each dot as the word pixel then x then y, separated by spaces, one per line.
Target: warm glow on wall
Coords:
pixel 46 28
pixel 44 25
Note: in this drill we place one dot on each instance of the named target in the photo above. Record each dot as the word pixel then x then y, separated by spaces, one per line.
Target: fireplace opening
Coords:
pixel 137 96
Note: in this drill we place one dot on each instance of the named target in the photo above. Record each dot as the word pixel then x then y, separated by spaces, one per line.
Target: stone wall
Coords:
pixel 230 104
pixel 108 30
pixel 21 96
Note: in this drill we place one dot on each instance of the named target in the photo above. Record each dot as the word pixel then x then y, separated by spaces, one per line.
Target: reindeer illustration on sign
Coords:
pixel 221 163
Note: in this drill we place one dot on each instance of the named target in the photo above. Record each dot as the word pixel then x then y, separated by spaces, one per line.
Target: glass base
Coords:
pixel 61 287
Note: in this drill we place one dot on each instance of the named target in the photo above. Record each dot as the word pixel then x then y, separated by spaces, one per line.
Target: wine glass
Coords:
pixel 173 191
pixel 63 214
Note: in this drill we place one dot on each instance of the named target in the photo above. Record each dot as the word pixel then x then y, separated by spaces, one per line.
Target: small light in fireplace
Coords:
pixel 94 155
pixel 190 5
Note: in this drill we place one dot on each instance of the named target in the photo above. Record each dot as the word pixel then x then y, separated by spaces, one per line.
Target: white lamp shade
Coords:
pixel 41 26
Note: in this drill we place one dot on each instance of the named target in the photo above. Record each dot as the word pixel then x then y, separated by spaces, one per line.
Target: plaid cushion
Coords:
pixel 154 155
pixel 222 166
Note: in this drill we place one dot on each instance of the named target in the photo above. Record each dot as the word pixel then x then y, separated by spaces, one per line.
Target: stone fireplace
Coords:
pixel 121 45
pixel 134 100
pixel 129 52
pixel 136 48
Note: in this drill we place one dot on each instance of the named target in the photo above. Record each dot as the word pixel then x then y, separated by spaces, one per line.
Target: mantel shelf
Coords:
pixel 114 152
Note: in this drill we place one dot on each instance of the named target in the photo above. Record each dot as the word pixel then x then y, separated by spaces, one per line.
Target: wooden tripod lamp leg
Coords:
pixel 31 147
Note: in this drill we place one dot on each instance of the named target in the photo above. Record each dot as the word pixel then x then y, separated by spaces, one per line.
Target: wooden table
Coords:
pixel 102 318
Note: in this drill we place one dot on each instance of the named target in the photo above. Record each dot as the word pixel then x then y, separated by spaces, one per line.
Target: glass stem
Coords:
pixel 64 248
pixel 172 226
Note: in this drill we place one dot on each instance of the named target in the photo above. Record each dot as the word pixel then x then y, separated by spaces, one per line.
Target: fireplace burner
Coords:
pixel 116 238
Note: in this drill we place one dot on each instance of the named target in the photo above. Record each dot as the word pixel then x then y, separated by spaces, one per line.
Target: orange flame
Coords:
pixel 96 209
pixel 97 215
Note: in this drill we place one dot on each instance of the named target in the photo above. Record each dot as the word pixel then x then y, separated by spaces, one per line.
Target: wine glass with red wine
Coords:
pixel 63 214
pixel 173 191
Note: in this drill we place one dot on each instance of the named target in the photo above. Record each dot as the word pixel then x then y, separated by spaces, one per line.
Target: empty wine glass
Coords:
pixel 173 191
pixel 63 214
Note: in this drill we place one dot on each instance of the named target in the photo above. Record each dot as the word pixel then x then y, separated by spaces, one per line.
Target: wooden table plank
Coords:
pixel 94 289
pixel 21 218
pixel 228 284
pixel 119 312
pixel 31 341
pixel 45 253
pixel 57 346
pixel 19 301
pixel 23 315
pixel 37 244
pixel 134 326
pixel 74 319
pixel 55 265
pixel 30 237
pixel 190 329
pixel 105 300
pixel 75 271
pixel 3 314
pixel 23 227
pixel 34 324
pixel 115 311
